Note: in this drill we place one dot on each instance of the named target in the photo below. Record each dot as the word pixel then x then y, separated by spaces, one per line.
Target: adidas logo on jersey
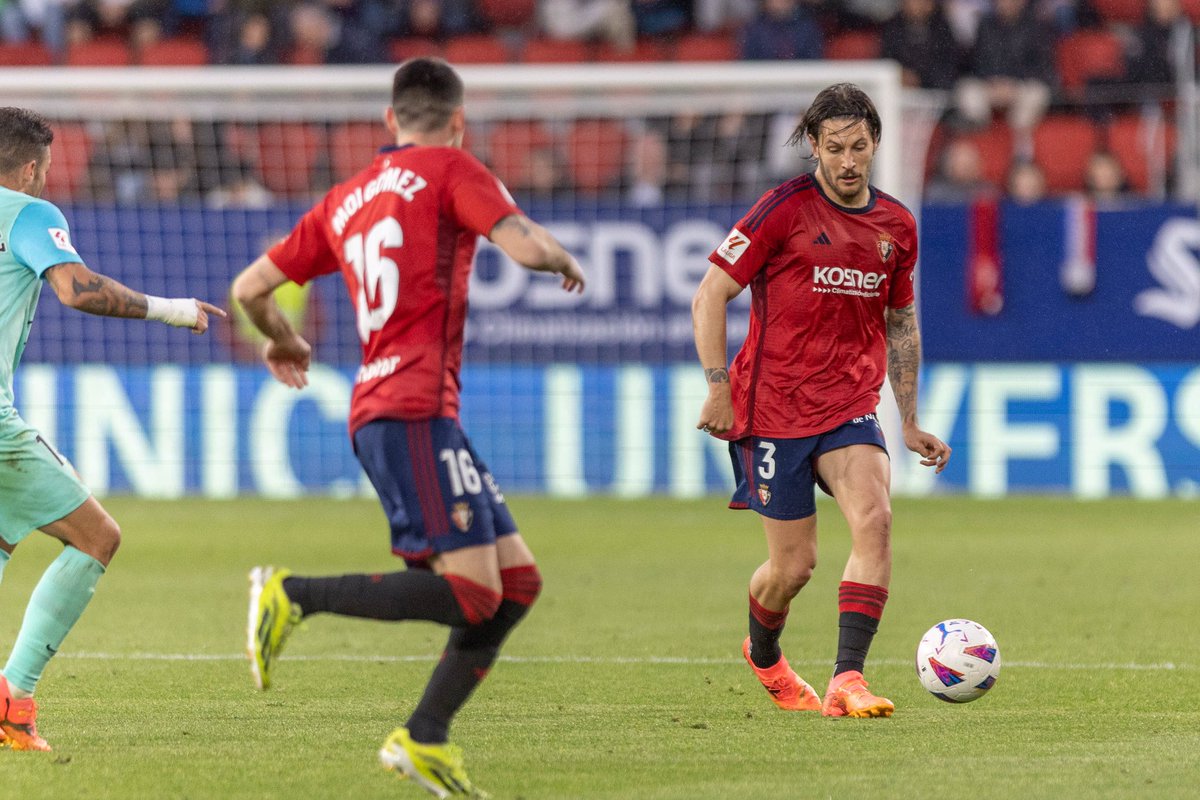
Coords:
pixel 822 239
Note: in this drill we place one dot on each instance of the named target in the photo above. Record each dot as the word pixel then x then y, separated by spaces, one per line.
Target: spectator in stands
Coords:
pixel 1011 67
pixel 782 30
pixel 647 178
pixel 21 19
pixel 248 32
pixel 1105 178
pixel 653 18
pixel 335 38
pixel 240 189
pixel 138 21
pixel 1025 183
pixel 964 17
pixel 434 19
pixel 960 174
pixel 611 21
pixel 920 39
pixel 1156 45
pixel 709 16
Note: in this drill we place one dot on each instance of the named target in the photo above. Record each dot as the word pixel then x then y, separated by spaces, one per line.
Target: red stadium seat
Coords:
pixel 353 145
pixel 301 56
pixel 478 49
pixel 644 51
pixel 555 51
pixel 1062 145
pixel 706 47
pixel 404 49
pixel 596 154
pixel 1125 11
pixel 178 52
pixel 1084 56
pixel 27 54
pixel 70 153
pixel 285 153
pixel 506 13
pixel 1132 142
pixel 853 46
pixel 510 148
pixel 995 144
pixel 101 52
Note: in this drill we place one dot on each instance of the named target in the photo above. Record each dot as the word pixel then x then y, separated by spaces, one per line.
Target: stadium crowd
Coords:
pixel 1023 79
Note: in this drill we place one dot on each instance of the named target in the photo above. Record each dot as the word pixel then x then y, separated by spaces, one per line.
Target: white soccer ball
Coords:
pixel 958 661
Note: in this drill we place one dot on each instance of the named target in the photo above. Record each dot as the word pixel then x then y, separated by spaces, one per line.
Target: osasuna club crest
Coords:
pixel 885 246
pixel 764 493
pixel 462 516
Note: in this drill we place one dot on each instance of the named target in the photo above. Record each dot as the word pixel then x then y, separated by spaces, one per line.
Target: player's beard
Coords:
pixel 852 197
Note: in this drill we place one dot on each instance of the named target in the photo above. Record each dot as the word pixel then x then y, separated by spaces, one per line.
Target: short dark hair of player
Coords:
pixel 24 137
pixel 425 92
pixel 840 101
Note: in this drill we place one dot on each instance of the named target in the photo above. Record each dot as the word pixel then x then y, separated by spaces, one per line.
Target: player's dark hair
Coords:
pixel 840 101
pixel 24 137
pixel 425 92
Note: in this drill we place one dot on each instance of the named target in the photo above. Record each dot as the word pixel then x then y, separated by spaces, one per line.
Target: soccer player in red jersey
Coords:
pixel 829 261
pixel 402 233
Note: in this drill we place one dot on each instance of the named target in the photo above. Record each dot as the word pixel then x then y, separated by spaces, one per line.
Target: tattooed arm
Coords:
pixel 904 359
pixel 79 287
pixel 904 364
pixel 709 327
pixel 532 246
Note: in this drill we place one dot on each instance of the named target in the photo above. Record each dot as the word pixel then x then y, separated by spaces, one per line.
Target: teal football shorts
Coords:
pixel 37 484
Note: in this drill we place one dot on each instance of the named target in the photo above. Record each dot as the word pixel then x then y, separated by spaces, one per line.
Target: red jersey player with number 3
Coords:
pixel 402 233
pixel 829 261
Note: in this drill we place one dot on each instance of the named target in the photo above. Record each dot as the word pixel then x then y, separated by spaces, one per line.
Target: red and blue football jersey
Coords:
pixel 821 278
pixel 402 233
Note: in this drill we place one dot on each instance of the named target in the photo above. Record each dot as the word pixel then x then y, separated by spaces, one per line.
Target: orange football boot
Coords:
pixel 18 721
pixel 787 689
pixel 847 696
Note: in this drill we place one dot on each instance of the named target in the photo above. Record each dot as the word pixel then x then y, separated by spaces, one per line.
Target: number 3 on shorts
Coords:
pixel 460 467
pixel 766 470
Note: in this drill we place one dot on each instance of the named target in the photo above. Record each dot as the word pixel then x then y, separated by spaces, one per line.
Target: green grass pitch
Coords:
pixel 626 681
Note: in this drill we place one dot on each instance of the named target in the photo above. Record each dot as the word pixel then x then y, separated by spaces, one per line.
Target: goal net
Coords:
pixel 174 180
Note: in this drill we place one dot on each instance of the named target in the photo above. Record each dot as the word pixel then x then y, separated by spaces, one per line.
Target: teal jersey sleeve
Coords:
pixel 40 239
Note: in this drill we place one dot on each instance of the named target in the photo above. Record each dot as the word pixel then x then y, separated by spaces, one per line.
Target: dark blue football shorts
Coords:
pixel 437 493
pixel 776 477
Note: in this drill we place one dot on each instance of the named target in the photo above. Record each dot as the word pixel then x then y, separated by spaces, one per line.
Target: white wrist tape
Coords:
pixel 180 312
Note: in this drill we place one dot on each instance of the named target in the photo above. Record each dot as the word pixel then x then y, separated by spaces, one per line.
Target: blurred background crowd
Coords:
pixel 1041 97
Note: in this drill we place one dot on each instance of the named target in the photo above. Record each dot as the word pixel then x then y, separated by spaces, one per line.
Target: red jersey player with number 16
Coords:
pixel 829 262
pixel 402 233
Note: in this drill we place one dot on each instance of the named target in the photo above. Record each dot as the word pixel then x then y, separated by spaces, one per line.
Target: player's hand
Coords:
pixel 573 278
pixel 933 451
pixel 716 415
pixel 288 361
pixel 203 309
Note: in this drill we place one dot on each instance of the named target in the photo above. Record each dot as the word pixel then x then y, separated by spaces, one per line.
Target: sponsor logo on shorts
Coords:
pixel 462 516
pixel 734 245
pixel 764 493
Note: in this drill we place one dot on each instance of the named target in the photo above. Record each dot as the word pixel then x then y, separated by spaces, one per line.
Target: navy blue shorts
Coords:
pixel 776 477
pixel 437 494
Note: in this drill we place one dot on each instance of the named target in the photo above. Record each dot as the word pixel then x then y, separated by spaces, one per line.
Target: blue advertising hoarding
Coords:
pixel 566 429
pixel 1091 394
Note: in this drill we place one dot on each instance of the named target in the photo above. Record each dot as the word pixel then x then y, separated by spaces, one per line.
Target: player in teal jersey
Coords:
pixel 38 488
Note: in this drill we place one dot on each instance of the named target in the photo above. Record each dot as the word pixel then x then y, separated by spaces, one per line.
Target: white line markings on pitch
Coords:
pixel 366 659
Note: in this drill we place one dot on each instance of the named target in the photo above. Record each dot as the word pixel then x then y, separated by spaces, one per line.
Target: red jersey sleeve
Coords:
pixel 478 198
pixel 753 241
pixel 304 254
pixel 901 293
